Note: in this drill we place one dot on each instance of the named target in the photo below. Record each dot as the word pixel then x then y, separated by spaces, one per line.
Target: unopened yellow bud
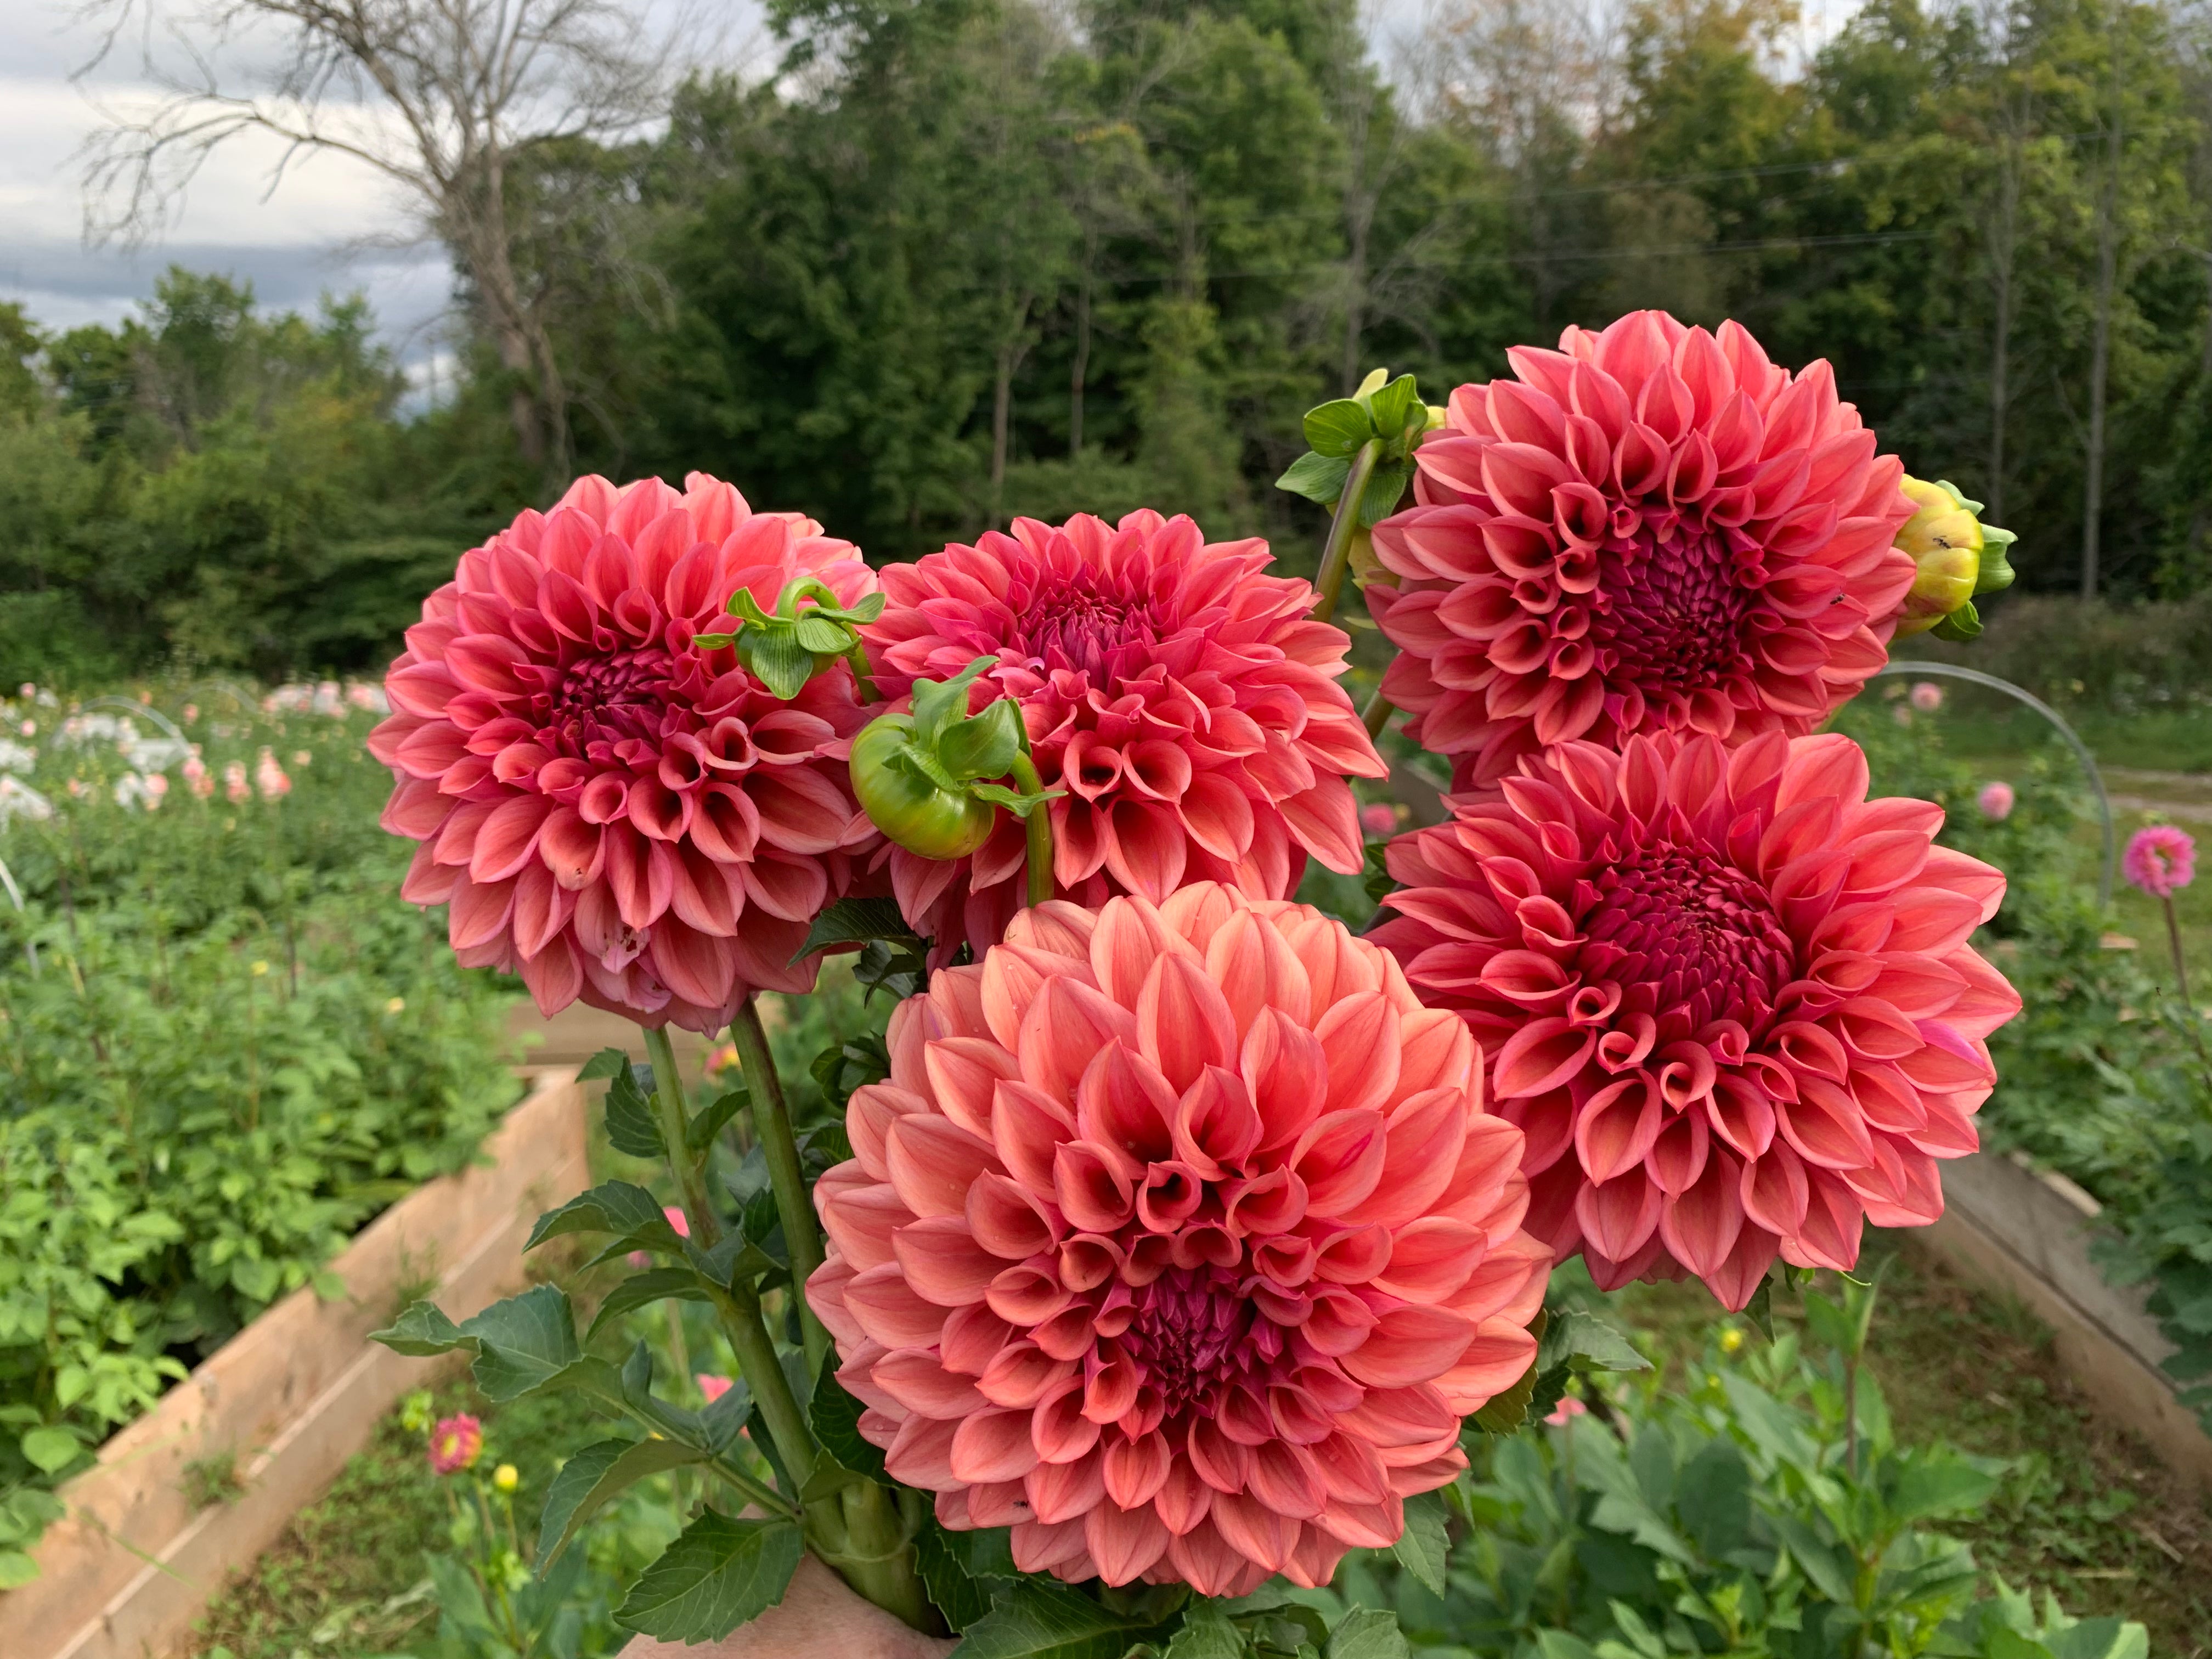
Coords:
pixel 507 1477
pixel 1957 555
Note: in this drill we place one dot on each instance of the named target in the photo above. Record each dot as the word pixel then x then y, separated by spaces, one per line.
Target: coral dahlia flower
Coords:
pixel 1652 528
pixel 609 811
pixel 1727 998
pixel 1180 696
pixel 1179 1241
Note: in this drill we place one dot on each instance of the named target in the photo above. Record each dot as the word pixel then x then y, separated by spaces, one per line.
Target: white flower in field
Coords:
pixel 19 801
pixel 130 790
pixel 17 757
pixel 154 754
pixel 363 694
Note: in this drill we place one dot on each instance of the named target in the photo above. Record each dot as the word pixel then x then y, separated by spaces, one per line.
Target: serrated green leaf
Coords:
pixel 1367 1633
pixel 718 1575
pixel 1384 486
pixel 642 1290
pixel 1037 1619
pixel 1590 1342
pixel 524 1342
pixel 1338 427
pixel 629 1211
pixel 1425 1546
pixel 592 1476
pixel 1319 479
pixel 608 1062
pixel 632 1128
pixel 1760 1310
pixel 852 921
pixel 709 1124
pixel 421 1330
pixel 1207 1633
pixel 953 1591
pixel 834 1415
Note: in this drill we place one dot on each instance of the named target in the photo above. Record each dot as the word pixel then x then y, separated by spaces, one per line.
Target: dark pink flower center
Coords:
pixel 1195 1333
pixel 607 700
pixel 1074 620
pixel 1701 934
pixel 1669 615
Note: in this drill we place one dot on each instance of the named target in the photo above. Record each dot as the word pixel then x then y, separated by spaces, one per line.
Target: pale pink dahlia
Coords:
pixel 1180 696
pixel 2160 857
pixel 1727 998
pixel 1179 1241
pixel 609 811
pixel 1653 528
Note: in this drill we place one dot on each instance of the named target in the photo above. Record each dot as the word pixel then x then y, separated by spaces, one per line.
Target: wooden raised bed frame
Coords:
pixel 291 1397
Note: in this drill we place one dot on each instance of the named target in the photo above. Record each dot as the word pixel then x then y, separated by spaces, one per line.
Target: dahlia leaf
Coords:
pixel 1829 1569
pixel 421 1331
pixel 1319 479
pixel 835 1416
pixel 1339 427
pixel 852 921
pixel 1035 1619
pixel 1367 1633
pixel 631 1213
pixel 1207 1633
pixel 594 1475
pixel 720 1574
pixel 1504 1413
pixel 953 1591
pixel 1760 1310
pixel 642 1290
pixel 1423 1547
pixel 632 1128
pixel 608 1062
pixel 702 1129
pixel 1020 805
pixel 524 1343
pixel 1931 1485
pixel 1384 486
pixel 1590 1343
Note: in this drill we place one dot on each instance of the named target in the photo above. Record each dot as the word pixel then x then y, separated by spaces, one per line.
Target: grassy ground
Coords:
pixel 2089 1513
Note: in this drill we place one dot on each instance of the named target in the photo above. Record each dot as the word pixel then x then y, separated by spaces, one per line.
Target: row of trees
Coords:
pixel 964 258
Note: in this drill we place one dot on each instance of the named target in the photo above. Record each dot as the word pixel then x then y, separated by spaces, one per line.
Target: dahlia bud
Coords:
pixel 1959 557
pixel 921 777
pixel 1389 416
pixel 790 648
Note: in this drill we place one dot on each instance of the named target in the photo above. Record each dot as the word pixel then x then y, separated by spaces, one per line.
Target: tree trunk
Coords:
pixel 2100 347
pixel 482 239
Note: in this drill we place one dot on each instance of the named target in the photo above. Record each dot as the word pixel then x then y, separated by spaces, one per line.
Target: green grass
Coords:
pixel 2089 1512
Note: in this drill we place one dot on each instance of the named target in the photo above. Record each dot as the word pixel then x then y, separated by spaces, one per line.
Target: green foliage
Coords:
pixel 225 1045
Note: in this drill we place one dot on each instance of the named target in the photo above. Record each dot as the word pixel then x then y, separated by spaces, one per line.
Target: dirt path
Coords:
pixel 2183 797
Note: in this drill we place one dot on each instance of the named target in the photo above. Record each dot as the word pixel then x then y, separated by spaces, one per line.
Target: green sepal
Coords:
pixel 1020 805
pixel 1339 427
pixel 1319 479
pixel 984 744
pixel 1960 625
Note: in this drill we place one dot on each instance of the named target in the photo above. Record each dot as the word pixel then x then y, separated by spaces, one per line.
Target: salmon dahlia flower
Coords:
pixel 609 811
pixel 1650 529
pixel 1180 696
pixel 1179 1241
pixel 1729 1000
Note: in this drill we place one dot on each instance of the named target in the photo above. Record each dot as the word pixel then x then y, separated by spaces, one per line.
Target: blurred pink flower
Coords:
pixel 1996 801
pixel 724 1059
pixel 235 788
pixel 1927 696
pixel 1565 1412
pixel 1378 818
pixel 712 1386
pixel 456 1443
pixel 269 777
pixel 198 778
pixel 156 786
pixel 192 712
pixel 2160 858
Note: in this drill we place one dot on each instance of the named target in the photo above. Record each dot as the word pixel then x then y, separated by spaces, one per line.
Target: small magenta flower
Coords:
pixel 1378 818
pixel 2160 858
pixel 455 1444
pixel 1927 696
pixel 1996 800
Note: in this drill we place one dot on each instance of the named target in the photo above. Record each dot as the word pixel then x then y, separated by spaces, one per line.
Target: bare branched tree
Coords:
pixel 447 99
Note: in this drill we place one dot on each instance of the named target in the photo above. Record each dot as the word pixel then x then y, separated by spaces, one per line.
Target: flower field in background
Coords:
pixel 225 1043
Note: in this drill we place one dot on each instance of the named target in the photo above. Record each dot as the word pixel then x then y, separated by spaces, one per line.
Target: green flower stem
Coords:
pixel 755 1492
pixel 873 1550
pixel 675 1124
pixel 764 1373
pixel 1039 826
pixel 1377 715
pixel 1336 552
pixel 802 1234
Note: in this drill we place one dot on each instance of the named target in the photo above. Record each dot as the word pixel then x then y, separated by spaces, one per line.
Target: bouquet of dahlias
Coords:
pixel 1176 1237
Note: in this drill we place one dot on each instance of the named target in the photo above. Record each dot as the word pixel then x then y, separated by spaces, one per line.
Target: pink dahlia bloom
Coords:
pixel 1652 528
pixel 609 811
pixel 1179 695
pixel 455 1444
pixel 1996 800
pixel 1727 998
pixel 1179 1241
pixel 2160 858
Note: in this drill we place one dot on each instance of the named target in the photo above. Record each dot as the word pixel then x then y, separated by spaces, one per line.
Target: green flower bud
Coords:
pixel 786 649
pixel 1958 557
pixel 923 778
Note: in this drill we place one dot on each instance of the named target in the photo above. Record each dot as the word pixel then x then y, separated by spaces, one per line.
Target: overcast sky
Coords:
pixel 290 242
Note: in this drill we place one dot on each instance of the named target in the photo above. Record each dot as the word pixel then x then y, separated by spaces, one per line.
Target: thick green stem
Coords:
pixel 1377 715
pixel 764 1371
pixel 1336 552
pixel 802 1234
pixel 1039 828
pixel 675 1114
